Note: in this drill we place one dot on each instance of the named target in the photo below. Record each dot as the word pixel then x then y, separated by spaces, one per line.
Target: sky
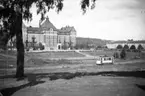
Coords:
pixel 110 19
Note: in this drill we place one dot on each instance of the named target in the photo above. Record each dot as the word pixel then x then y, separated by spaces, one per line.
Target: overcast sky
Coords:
pixel 111 19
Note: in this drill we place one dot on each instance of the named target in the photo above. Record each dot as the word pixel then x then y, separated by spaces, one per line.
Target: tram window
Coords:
pixel 109 58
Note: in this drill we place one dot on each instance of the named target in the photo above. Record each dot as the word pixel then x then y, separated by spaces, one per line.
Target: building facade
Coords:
pixel 50 36
pixel 114 45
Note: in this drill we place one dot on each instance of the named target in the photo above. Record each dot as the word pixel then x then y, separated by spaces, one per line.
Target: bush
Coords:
pixel 132 47
pixel 123 54
pixel 116 55
pixel 27 48
pixel 135 50
pixel 140 47
pixel 41 46
pixel 119 47
pixel 128 50
pixel 35 48
pixel 126 47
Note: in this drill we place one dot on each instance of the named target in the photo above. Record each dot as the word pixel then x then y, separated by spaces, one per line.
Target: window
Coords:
pixel 51 29
pixel 109 58
pixel 104 59
pixel 44 38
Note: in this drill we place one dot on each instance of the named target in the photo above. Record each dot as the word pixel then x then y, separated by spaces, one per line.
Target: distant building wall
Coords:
pixel 50 38
pixel 38 37
pixel 114 46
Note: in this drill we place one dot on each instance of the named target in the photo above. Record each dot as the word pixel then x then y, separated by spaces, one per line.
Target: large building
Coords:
pixel 49 35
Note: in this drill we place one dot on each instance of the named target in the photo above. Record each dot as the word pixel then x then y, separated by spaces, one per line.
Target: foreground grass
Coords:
pixel 56 79
pixel 78 78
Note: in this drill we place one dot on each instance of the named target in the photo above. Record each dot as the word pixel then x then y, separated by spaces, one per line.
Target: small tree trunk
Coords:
pixel 20 47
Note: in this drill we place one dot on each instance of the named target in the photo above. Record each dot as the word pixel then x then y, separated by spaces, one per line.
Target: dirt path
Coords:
pixel 87 55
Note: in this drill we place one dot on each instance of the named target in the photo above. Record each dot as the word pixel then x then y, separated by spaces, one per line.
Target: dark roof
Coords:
pixel 34 30
pixel 66 30
pixel 47 24
pixel 63 32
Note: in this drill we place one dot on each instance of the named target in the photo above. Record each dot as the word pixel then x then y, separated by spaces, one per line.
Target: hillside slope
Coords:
pixel 94 41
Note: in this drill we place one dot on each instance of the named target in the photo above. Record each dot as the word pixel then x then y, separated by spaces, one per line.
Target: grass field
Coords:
pixel 99 52
pixel 129 55
pixel 56 54
pixel 53 58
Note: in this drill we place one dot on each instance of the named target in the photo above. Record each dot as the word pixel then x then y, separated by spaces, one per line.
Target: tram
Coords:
pixel 105 60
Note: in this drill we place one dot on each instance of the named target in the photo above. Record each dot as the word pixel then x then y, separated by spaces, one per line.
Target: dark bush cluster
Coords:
pixel 116 55
pixel 34 46
pixel 123 54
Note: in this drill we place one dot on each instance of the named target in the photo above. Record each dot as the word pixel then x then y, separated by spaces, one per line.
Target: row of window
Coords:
pixel 105 59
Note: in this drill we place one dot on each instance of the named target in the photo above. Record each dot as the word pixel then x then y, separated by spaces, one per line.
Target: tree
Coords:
pixel 99 47
pixel 12 12
pixel 41 46
pixel 119 47
pixel 140 47
pixel 70 44
pixel 126 47
pixel 123 54
pixel 116 55
pixel 33 43
pixel 64 46
pixel 132 47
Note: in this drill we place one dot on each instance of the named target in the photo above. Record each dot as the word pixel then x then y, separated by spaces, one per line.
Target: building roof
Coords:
pixel 34 30
pixel 47 24
pixel 66 30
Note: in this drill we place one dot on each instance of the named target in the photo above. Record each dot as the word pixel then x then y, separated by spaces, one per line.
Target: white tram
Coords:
pixel 105 60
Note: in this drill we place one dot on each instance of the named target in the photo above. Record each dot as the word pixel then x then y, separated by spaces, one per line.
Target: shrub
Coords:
pixel 126 47
pixel 119 47
pixel 132 47
pixel 116 55
pixel 123 54
pixel 41 46
pixel 140 47
pixel 136 50
pixel 27 48
pixel 34 48
pixel 128 50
